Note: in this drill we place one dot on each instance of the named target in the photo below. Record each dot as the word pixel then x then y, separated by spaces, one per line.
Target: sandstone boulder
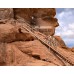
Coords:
pixel 61 42
pixel 10 33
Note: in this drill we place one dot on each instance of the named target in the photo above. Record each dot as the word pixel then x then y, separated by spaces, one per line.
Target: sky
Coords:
pixel 66 25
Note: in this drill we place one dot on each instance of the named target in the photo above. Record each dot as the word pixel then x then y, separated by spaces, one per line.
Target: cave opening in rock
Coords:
pixel 36 57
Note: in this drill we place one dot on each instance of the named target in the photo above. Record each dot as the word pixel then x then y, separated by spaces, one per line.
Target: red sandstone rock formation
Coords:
pixel 62 43
pixel 6 13
pixel 20 48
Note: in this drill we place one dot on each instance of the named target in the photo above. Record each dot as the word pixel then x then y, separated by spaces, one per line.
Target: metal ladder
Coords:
pixel 50 44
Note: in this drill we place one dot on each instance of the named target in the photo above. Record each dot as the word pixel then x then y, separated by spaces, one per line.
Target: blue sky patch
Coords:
pixel 66 25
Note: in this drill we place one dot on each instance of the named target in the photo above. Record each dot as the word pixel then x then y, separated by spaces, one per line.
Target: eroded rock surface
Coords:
pixel 6 14
pixel 18 47
pixel 62 43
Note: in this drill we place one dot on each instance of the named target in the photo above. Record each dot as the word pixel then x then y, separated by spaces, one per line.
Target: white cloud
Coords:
pixel 61 14
pixel 71 26
pixel 66 28
pixel 66 31
pixel 64 14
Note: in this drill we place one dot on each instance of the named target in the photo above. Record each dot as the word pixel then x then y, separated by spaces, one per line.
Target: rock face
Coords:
pixel 62 43
pixel 27 13
pixel 10 33
pixel 38 17
pixel 28 53
pixel 18 47
pixel 6 14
